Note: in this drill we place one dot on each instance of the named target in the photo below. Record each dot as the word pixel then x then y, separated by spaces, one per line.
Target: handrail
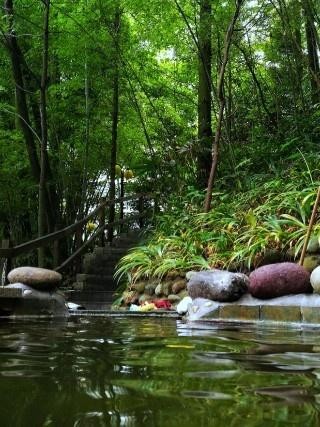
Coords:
pixel 7 253
pixel 94 236
pixel 57 235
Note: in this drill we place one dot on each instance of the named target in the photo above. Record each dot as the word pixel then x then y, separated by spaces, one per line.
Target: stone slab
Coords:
pixel 310 315
pixel 239 312
pixel 280 313
pixel 6 292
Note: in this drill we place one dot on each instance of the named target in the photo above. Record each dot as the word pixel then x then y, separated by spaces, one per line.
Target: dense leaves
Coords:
pixel 270 123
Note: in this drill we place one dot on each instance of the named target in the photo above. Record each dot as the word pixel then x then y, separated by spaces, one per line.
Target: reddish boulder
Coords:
pixel 276 280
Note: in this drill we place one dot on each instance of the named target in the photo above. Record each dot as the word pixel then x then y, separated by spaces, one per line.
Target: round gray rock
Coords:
pixel 315 280
pixel 37 278
pixel 218 285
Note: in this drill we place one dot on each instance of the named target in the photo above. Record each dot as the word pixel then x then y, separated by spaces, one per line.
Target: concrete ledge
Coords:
pixel 239 312
pixel 125 313
pixel 310 315
pixel 6 292
pixel 280 314
pixel 297 309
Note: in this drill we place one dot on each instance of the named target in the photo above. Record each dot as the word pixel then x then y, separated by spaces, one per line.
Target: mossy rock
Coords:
pixel 313 245
pixel 145 298
pixel 139 287
pixel 311 262
pixel 173 274
pixel 128 296
pixel 178 285
pixel 166 288
pixel 158 290
pixel 150 288
pixel 174 299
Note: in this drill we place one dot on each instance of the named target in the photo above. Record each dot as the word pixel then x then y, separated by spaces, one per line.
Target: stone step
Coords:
pixel 92 287
pixel 95 279
pixel 110 250
pixel 99 269
pixel 124 243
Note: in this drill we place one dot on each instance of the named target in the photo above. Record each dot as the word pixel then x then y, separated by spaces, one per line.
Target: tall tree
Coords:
pixel 115 115
pixel 313 48
pixel 222 102
pixel 18 64
pixel 43 207
pixel 204 93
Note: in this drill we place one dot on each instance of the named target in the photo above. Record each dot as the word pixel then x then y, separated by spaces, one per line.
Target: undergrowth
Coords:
pixel 271 214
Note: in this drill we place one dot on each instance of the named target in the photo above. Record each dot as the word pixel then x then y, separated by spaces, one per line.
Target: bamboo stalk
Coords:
pixel 311 222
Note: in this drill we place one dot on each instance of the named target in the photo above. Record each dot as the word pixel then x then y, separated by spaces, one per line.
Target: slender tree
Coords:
pixel 221 99
pixel 43 208
pixel 313 47
pixel 115 116
pixel 204 93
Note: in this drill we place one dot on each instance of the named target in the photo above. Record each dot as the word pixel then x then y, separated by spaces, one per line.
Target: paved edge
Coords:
pixel 262 314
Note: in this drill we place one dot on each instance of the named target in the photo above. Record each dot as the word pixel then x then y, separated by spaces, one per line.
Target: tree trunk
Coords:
pixel 312 45
pixel 21 101
pixel 43 208
pixel 21 73
pixel 115 120
pixel 204 94
pixel 221 99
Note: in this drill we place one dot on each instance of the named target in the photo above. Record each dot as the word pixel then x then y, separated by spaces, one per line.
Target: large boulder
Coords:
pixel 37 278
pixel 217 285
pixel 18 299
pixel 276 280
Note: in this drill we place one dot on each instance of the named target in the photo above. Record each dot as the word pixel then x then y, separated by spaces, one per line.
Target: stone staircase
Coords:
pixel 95 286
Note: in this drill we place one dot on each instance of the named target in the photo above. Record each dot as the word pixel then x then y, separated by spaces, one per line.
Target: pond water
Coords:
pixel 156 372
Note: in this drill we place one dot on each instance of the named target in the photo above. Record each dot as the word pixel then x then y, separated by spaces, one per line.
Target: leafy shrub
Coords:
pixel 235 234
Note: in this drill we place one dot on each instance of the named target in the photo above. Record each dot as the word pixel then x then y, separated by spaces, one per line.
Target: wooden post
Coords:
pixel 56 250
pixel 102 219
pixel 5 263
pixel 140 207
pixel 78 244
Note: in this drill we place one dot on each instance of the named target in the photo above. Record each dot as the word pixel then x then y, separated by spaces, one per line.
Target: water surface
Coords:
pixel 156 372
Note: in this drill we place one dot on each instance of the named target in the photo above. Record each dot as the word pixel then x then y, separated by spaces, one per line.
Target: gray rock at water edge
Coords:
pixel 183 305
pixel 218 285
pixel 189 274
pixel 32 302
pixel 275 280
pixel 202 308
pixel 37 278
pixel 315 280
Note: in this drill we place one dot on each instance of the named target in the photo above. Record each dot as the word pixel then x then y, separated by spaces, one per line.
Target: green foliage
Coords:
pixel 270 116
pixel 236 234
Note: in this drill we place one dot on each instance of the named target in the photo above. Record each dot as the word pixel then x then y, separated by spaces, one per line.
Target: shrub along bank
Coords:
pixel 264 223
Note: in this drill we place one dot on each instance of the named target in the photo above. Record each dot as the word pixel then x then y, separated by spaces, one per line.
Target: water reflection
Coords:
pixel 125 372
